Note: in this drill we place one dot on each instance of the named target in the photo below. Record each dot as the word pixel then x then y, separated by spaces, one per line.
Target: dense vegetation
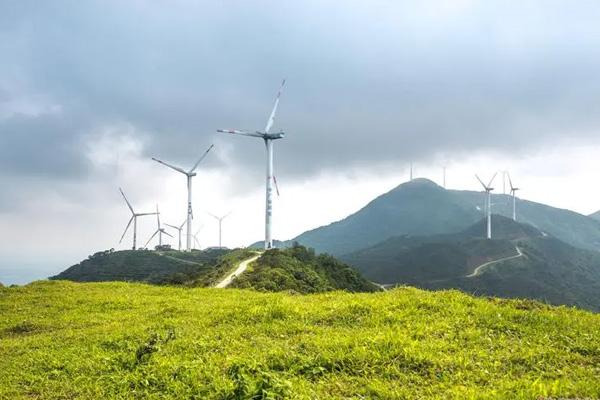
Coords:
pixel 63 340
pixel 165 267
pixel 298 269
pixel 420 207
pixel 549 270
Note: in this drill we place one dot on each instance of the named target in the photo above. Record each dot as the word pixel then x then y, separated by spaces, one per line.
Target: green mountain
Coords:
pixel 521 261
pixel 143 266
pixel 117 340
pixel 298 269
pixel 420 207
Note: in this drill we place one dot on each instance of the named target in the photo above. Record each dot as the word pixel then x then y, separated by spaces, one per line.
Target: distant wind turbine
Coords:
pixel 220 219
pixel 268 139
pixel 159 230
pixel 179 229
pixel 189 174
pixel 513 192
pixel 134 217
pixel 488 190
pixel 195 236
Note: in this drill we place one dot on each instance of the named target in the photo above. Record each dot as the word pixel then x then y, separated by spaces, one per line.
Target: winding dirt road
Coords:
pixel 239 270
pixel 478 270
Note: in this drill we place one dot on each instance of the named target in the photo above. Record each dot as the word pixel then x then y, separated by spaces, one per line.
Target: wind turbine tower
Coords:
pixel 134 217
pixel 513 192
pixel 178 229
pixel 488 190
pixel 220 219
pixel 189 174
pixel 268 138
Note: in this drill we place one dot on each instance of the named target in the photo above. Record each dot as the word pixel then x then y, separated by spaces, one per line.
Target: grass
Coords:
pixel 63 340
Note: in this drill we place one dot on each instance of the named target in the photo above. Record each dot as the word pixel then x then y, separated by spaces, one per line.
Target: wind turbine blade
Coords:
pixel 172 226
pixel 154 234
pixel 166 233
pixel 240 132
pixel 182 225
pixel 480 181
pixel 276 186
pixel 142 214
pixel 226 215
pixel 492 180
pixel 170 166
pixel 127 227
pixel 510 182
pixel 126 201
pixel 213 215
pixel 201 158
pixel 272 116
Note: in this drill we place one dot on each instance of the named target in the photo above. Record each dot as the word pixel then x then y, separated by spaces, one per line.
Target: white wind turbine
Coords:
pixel 134 217
pixel 513 192
pixel 195 236
pixel 189 174
pixel 159 230
pixel 488 205
pixel 268 139
pixel 178 229
pixel 220 219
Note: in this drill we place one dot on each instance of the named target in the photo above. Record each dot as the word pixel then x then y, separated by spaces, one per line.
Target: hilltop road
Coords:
pixel 239 270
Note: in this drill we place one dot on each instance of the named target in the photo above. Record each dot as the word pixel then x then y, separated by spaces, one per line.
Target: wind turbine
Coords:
pixel 189 174
pixel 195 236
pixel 179 229
pixel 160 230
pixel 488 189
pixel 134 217
pixel 268 139
pixel 220 219
pixel 513 192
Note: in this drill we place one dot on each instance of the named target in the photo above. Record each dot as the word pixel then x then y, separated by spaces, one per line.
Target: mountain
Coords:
pixel 420 207
pixel 595 215
pixel 298 269
pixel 117 340
pixel 142 266
pixel 521 261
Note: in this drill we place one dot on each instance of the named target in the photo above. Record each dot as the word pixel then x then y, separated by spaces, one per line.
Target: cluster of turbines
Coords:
pixel 268 139
pixel 488 198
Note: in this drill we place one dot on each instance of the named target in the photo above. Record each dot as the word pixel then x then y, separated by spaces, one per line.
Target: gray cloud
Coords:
pixel 367 82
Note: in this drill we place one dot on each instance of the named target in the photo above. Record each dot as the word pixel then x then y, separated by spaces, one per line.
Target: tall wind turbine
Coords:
pixel 220 219
pixel 159 230
pixel 178 229
pixel 488 190
pixel 513 192
pixel 189 174
pixel 268 139
pixel 134 217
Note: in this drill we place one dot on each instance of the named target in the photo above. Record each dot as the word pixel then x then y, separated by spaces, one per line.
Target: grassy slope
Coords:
pixel 299 269
pixel 117 340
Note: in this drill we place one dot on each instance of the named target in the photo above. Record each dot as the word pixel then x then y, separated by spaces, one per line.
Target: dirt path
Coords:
pixel 239 270
pixel 180 260
pixel 478 270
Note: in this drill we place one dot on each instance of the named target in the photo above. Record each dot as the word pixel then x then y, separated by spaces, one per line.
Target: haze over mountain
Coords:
pixel 520 261
pixel 421 207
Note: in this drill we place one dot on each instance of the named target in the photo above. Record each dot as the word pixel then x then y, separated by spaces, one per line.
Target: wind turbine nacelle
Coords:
pixel 278 135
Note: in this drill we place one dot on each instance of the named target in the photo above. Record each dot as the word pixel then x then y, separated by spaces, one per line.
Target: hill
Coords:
pixel 145 266
pixel 420 207
pixel 124 340
pixel 298 269
pixel 536 265
pixel 595 215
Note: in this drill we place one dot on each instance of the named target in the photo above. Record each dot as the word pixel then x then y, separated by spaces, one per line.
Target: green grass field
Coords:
pixel 61 340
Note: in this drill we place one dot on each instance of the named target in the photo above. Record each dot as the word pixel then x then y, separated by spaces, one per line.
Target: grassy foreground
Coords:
pixel 61 340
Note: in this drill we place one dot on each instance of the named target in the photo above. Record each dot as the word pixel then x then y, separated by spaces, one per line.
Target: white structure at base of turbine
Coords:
pixel 270 178
pixel 488 189
pixel 189 174
pixel 133 218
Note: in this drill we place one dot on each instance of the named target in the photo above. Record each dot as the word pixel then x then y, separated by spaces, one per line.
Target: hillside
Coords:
pixel 298 269
pixel 143 266
pixel 548 270
pixel 124 340
pixel 595 215
pixel 420 207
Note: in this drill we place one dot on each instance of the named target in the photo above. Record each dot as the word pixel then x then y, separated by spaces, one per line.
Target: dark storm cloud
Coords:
pixel 367 82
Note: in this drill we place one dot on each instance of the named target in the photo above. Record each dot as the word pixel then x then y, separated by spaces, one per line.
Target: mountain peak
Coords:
pixel 419 183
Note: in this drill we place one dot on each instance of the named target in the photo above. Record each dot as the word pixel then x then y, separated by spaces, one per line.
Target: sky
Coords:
pixel 91 90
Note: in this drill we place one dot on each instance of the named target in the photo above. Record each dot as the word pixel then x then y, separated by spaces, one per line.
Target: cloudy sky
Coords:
pixel 91 90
